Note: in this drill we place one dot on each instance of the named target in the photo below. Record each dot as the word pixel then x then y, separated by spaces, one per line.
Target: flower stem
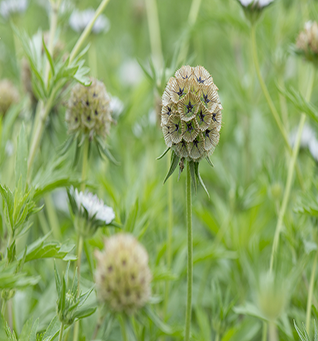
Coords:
pixel 61 332
pixel 123 328
pixel 264 334
pixel 85 164
pixel 310 292
pixel 154 32
pixel 87 30
pixel 290 176
pixel 190 255
pixel 272 331
pixel 169 238
pixel 269 99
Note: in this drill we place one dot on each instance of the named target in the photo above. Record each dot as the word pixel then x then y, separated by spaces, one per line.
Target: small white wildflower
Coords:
pixel 307 136
pixel 9 7
pixel 80 19
pixel 256 3
pixel 95 207
pixel 9 148
pixel 116 106
pixel 66 6
pixel 130 73
pixel 313 148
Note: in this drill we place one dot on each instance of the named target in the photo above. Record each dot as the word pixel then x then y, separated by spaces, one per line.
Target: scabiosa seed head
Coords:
pixel 191 113
pixel 89 110
pixel 8 95
pixel 307 42
pixel 123 276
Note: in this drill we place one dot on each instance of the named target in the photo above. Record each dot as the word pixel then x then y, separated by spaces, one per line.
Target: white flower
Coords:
pixel 308 140
pixel 8 7
pixel 80 19
pixel 66 6
pixel 130 73
pixel 95 207
pixel 116 106
pixel 257 3
pixel 9 148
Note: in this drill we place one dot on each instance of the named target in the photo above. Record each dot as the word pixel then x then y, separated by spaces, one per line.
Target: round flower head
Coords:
pixel 307 41
pixel 10 7
pixel 80 19
pixel 8 95
pixel 123 276
pixel 253 8
pixel 191 113
pixel 89 110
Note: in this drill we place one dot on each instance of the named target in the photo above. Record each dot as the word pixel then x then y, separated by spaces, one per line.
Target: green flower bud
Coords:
pixel 307 42
pixel 191 113
pixel 271 297
pixel 8 95
pixel 89 110
pixel 123 276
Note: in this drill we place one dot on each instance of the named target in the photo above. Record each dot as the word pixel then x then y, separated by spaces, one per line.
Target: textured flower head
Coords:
pixel 89 110
pixel 191 113
pixel 123 276
pixel 8 95
pixel 80 19
pixel 9 7
pixel 307 41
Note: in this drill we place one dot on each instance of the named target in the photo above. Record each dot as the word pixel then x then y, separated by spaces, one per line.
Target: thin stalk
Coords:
pixel 3 307
pixel 123 328
pixel 310 293
pixel 290 176
pixel 80 240
pixel 192 18
pixel 272 331
pixel 154 32
pixel 52 216
pixel 87 30
pixel 169 238
pixel 61 332
pixel 264 333
pixel 53 24
pixel 217 337
pixel 270 101
pixel 190 255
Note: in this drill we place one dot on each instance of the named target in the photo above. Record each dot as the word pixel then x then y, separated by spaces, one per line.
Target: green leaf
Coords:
pixel 52 330
pixel 21 165
pixel 163 154
pixel 84 312
pixel 197 173
pixel 48 56
pixel 173 165
pixel 193 175
pixel 131 219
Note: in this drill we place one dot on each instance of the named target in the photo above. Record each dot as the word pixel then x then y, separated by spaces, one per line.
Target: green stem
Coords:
pixel 192 18
pixel 87 30
pixel 310 292
pixel 272 331
pixel 169 238
pixel 190 255
pixel 154 32
pixel 61 332
pixel 3 307
pixel 80 228
pixel 264 334
pixel 270 101
pixel 290 176
pixel 52 216
pixel 123 328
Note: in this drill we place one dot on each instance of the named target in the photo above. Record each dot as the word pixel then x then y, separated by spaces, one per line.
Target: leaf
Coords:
pixel 21 165
pixel 197 173
pixel 48 56
pixel 173 165
pixel 193 175
pixel 163 154
pixel 52 330
pixel 131 219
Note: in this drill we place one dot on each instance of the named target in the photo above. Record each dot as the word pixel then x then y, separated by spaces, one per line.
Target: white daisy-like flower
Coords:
pixel 130 73
pixel 9 7
pixel 256 3
pixel 95 207
pixel 80 19
pixel 308 140
pixel 116 106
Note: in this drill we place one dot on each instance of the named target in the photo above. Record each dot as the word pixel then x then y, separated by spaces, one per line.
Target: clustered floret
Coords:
pixel 191 113
pixel 89 110
pixel 307 41
pixel 123 276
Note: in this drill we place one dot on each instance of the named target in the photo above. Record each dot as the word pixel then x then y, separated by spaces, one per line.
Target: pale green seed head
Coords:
pixel 191 113
pixel 89 110
pixel 123 276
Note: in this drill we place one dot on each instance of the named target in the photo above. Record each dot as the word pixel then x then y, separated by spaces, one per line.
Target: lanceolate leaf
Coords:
pixel 173 165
